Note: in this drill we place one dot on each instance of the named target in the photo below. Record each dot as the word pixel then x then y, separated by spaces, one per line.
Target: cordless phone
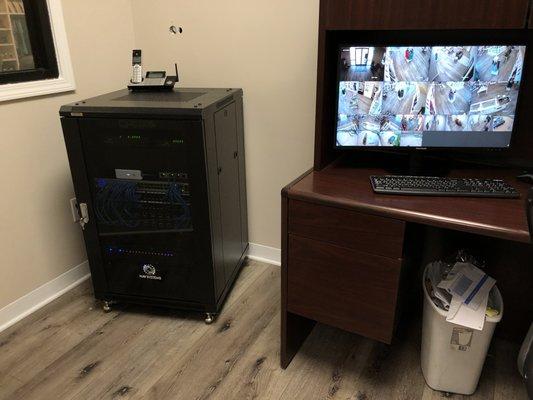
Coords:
pixel 152 81
pixel 137 72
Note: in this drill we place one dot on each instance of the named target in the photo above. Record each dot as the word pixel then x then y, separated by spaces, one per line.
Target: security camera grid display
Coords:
pixel 440 96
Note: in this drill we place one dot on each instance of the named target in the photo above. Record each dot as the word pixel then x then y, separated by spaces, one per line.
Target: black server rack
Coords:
pixel 160 183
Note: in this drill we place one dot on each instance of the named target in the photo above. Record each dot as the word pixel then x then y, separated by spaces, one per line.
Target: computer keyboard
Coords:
pixel 437 186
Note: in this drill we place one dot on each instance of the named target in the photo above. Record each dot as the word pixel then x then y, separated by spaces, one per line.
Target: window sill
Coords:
pixel 12 91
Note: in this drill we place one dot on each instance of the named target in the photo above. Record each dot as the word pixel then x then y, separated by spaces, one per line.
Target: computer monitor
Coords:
pixel 429 96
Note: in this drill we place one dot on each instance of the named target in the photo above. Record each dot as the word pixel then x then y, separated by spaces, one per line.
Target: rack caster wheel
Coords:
pixel 209 318
pixel 106 306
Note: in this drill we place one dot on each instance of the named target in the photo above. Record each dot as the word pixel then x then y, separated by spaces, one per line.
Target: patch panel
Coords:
pixel 126 205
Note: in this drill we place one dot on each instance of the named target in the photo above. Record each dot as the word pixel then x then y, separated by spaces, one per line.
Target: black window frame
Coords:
pixel 42 46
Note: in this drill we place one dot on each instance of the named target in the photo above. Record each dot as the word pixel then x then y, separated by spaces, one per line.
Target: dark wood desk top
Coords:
pixel 349 187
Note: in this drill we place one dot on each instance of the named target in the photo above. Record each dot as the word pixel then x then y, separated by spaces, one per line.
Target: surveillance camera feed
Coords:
pixel 441 96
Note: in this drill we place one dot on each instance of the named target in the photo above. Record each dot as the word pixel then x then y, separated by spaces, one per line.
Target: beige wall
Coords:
pixel 269 48
pixel 38 240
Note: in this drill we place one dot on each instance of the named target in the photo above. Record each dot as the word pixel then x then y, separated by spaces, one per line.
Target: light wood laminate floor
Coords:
pixel 72 350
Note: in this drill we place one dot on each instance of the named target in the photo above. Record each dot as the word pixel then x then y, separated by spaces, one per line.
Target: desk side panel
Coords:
pixel 294 328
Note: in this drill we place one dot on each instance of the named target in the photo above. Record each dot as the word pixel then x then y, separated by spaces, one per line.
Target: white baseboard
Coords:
pixel 31 302
pixel 267 254
pixel 38 298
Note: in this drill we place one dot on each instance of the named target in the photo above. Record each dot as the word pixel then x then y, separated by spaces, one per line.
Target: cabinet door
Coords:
pixel 342 287
pixel 149 206
pixel 228 181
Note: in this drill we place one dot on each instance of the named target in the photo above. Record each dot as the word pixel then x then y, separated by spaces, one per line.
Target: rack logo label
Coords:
pixel 149 272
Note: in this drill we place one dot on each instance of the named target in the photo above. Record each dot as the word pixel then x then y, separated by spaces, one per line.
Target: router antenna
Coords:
pixel 176 68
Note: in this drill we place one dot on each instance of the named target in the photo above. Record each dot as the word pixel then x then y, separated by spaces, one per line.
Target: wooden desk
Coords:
pixel 345 250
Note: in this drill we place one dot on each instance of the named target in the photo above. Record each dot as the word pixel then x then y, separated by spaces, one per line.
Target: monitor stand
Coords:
pixel 414 164
pixel 426 165
pixel 396 163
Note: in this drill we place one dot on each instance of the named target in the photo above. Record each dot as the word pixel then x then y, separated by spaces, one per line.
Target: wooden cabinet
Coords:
pixel 343 267
pixel 423 14
pixel 340 267
pixel 343 247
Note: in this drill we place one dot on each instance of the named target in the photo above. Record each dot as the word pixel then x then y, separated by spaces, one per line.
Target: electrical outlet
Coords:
pixel 74 208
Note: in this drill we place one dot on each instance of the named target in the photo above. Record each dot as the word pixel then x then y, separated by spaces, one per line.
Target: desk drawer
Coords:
pixel 359 231
pixel 342 287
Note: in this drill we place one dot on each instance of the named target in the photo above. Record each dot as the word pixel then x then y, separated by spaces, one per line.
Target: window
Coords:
pixel 361 56
pixel 26 43
pixel 34 56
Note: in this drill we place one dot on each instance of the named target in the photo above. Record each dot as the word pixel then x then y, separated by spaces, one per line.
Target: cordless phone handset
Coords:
pixel 136 74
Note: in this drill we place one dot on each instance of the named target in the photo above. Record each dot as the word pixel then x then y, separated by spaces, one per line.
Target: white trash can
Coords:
pixel 452 356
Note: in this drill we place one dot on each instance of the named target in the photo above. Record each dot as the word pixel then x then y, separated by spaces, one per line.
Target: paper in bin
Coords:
pixel 469 285
pixel 462 315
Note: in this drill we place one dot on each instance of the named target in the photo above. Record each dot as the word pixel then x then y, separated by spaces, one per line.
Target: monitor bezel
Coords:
pixel 467 37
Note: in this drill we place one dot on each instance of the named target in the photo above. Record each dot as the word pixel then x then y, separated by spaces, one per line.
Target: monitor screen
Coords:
pixel 428 96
